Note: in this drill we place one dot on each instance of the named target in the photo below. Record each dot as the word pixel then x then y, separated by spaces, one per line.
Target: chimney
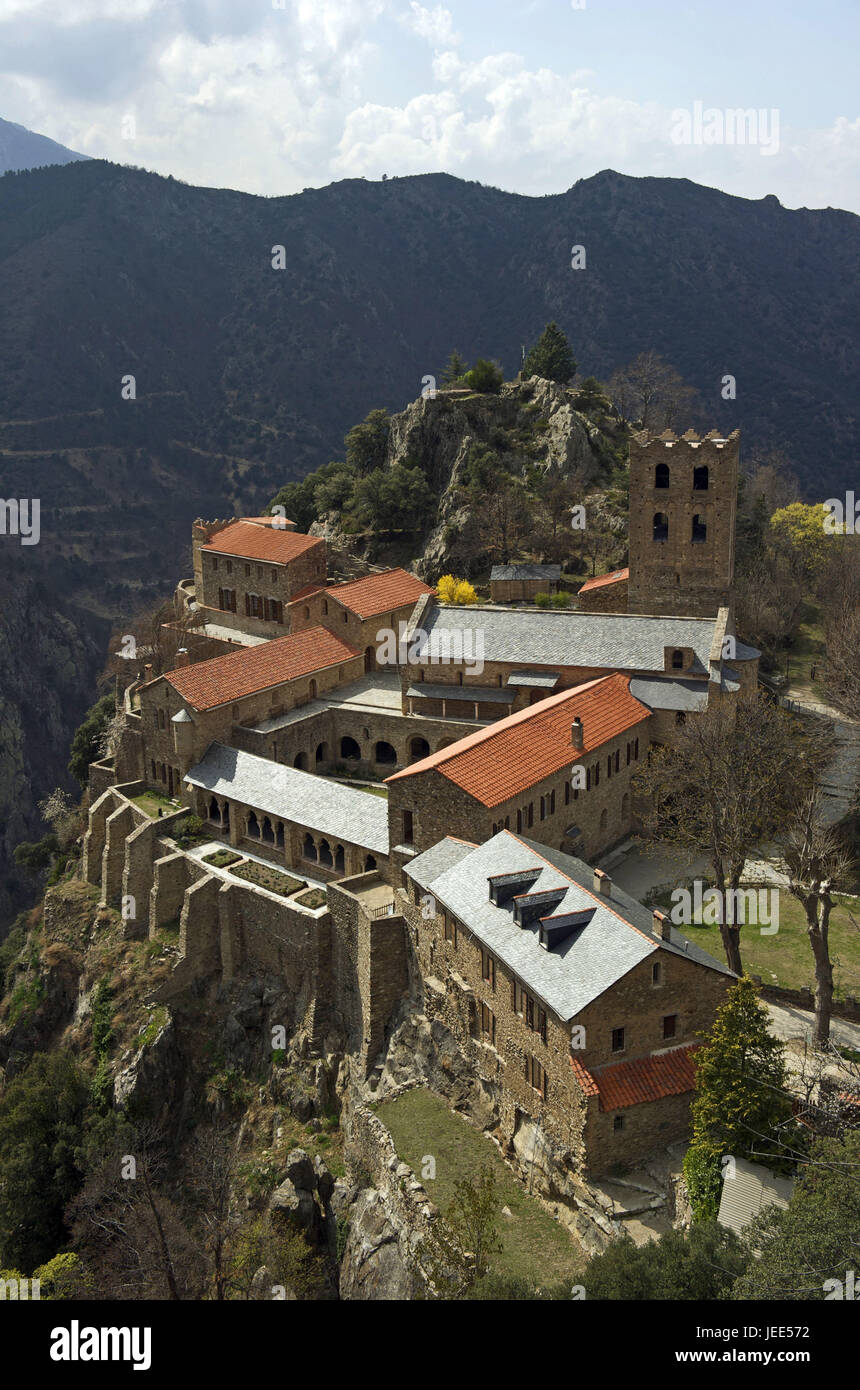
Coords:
pixel 576 734
pixel 182 657
pixel 662 925
pixel 602 883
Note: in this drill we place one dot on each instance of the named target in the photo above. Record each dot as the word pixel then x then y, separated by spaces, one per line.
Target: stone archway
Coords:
pixel 384 753
pixel 349 749
pixel 418 748
pixel 300 761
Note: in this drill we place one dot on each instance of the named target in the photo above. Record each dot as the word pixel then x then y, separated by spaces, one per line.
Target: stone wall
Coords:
pixel 605 598
pixel 369 962
pixel 691 570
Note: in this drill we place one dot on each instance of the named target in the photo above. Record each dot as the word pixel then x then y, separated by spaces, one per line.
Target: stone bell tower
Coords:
pixel 683 498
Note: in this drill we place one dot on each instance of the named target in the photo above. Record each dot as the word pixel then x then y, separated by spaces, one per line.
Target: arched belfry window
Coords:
pixel 700 530
pixel 700 478
pixel 677 661
pixel 661 475
pixel 661 526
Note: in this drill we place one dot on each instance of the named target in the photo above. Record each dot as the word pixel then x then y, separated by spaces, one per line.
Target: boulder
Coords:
pixel 300 1171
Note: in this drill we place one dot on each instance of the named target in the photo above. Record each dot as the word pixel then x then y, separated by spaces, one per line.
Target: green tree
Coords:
pixel 86 743
pixel 397 498
pixel 815 1240
pixel 741 1108
pixel 485 376
pixel 297 500
pixel 591 398
pixel 42 1118
pixel 551 357
pixel 455 368
pixel 701 1263
pixel 335 489
pixel 36 856
pixel 367 442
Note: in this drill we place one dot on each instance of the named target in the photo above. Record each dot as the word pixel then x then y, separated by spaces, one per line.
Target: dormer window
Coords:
pixel 677 661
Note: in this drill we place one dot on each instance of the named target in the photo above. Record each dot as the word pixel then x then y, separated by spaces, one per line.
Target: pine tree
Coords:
pixel 455 368
pixel 741 1109
pixel 551 357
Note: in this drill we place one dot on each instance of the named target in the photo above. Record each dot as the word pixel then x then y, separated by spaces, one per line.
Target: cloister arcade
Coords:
pixel 287 843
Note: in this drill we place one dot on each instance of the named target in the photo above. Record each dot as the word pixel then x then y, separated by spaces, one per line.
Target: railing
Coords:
pixel 386 910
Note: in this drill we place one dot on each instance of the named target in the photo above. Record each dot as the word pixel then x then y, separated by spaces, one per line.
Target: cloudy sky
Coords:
pixel 272 96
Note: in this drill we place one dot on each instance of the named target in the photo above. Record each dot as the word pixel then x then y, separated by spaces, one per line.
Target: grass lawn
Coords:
pixel 268 877
pixel 153 802
pixel 375 791
pixel 535 1247
pixel 786 958
pixel 315 897
pixel 222 858
pixel 807 650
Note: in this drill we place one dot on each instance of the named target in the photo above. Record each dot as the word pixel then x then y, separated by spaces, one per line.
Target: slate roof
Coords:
pixel 642 1079
pixel 564 637
pixel 338 812
pixel 670 693
pixel 252 540
pixel 601 580
pixel 468 694
pixel 223 679
pixel 539 679
pixel 551 573
pixel 499 762
pixel 582 967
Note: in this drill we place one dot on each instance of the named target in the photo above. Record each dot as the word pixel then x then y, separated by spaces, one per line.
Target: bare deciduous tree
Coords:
pixel 817 863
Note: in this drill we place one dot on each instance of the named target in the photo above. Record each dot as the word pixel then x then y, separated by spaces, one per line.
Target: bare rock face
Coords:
pixel 426 1053
pixel 153 1077
pixel 373 1266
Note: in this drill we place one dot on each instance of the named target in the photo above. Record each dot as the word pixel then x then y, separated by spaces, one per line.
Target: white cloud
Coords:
pixel 269 100
pixel 436 25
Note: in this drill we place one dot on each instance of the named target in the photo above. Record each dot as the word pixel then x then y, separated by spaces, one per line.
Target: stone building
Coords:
pixel 683 500
pixel 368 612
pixel 605 593
pixel 179 714
pixel 578 1006
pixel 522 583
pixel 246 572
pixel 558 771
pixel 489 661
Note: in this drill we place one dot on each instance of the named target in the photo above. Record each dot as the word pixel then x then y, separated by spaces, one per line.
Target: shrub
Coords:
pixel 543 600
pixel 485 376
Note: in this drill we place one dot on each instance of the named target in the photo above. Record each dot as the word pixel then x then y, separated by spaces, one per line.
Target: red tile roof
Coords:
pixel 513 754
pixel 224 678
pixel 601 580
pixel 305 593
pixel 585 1080
pixel 379 593
pixel 251 540
pixel 647 1078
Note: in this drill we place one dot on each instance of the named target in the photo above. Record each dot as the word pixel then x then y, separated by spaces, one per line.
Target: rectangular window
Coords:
pixel 536 1076
pixel 530 1012
pixel 567 793
pixel 609 766
pixel 247 571
pixel 543 808
pixel 670 1025
pixel 541 1027
pixel 451 930
pixel 618 1040
pixel 488 1022
pixel 588 779
pixel 408 828
pixel 488 969
pixel 656 974
pixel 636 750
pixel 617 1123
pixel 597 774
pixel 628 754
pixel 531 814
pixel 617 758
pixel 229 566
pixel 214 562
